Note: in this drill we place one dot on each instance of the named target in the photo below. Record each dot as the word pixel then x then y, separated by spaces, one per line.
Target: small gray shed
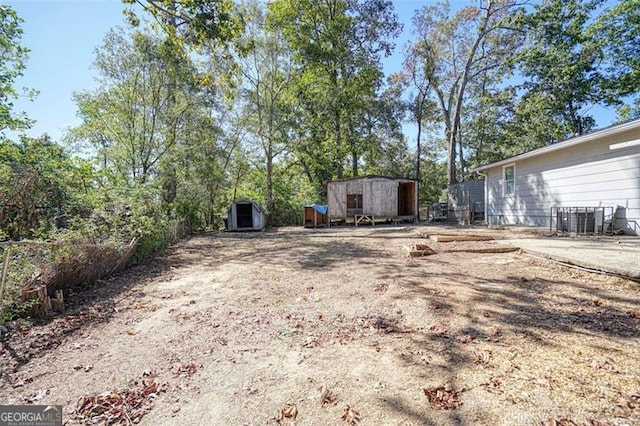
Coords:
pixel 245 215
pixel 372 197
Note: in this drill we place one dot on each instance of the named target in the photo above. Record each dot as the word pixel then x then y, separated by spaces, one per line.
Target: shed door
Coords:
pixel 244 215
pixel 406 199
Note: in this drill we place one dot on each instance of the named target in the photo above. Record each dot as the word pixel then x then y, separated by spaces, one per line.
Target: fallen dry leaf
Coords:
pixel 350 416
pixel 120 407
pixel 381 288
pixel 466 338
pixel 184 370
pixel 443 397
pixel 36 396
pixel 290 411
pixel 560 422
pixel 483 357
pixel 327 397
pixel 628 404
pixel 493 385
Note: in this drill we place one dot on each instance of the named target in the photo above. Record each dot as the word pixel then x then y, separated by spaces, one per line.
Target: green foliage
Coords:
pixel 12 65
pixel 291 194
pixel 336 46
pixel 195 22
pixel 151 125
pixel 560 65
pixel 145 103
pixel 629 111
pixel 616 33
pixel 41 188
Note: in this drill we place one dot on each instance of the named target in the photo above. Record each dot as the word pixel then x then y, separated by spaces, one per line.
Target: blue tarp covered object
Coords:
pixel 320 208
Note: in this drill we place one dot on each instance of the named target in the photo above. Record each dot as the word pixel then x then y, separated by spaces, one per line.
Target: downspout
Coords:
pixel 486 198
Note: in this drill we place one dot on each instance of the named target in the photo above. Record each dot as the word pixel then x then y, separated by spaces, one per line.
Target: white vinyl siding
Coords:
pixel 586 175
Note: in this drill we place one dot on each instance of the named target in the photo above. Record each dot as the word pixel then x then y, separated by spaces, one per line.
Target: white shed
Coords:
pixel 245 215
pixel 599 171
pixel 372 197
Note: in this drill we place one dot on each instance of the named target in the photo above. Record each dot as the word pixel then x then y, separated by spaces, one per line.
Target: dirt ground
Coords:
pixel 331 326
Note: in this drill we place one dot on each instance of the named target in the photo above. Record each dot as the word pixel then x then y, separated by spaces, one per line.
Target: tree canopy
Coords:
pixel 13 62
pixel 201 102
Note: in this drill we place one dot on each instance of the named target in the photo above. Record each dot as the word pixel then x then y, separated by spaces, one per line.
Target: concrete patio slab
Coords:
pixel 615 255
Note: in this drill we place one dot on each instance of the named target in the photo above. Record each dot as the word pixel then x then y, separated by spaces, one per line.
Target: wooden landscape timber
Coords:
pixel 421 250
pixel 485 250
pixel 453 238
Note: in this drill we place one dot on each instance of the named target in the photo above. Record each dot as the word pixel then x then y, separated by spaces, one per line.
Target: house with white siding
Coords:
pixel 597 170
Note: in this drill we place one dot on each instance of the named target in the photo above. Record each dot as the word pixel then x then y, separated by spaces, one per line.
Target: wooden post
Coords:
pixel 3 278
pixel 57 304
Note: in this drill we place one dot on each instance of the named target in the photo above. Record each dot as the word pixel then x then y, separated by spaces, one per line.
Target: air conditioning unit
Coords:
pixel 583 222
pixel 579 220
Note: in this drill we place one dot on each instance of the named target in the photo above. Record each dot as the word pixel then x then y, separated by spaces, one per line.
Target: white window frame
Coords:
pixel 505 187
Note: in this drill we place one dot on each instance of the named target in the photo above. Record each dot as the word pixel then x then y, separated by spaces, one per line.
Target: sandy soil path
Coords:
pixel 295 326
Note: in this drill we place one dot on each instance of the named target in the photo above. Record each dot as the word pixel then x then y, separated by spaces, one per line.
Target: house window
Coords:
pixel 509 176
pixel 354 201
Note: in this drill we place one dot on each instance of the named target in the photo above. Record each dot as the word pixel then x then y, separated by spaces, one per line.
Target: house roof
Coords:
pixel 578 140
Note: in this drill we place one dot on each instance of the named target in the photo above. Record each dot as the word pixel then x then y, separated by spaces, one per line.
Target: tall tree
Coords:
pixel 560 66
pixel 337 46
pixel 456 48
pixel 267 71
pixel 13 62
pixel 616 33
pixel 137 116
pixel 420 105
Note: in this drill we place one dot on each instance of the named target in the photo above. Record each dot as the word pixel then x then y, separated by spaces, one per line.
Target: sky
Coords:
pixel 63 35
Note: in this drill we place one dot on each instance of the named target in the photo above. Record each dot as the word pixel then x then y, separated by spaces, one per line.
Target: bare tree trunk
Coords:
pixel 461 152
pixel 451 156
pixel 418 158
pixel 269 196
pixel 354 162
